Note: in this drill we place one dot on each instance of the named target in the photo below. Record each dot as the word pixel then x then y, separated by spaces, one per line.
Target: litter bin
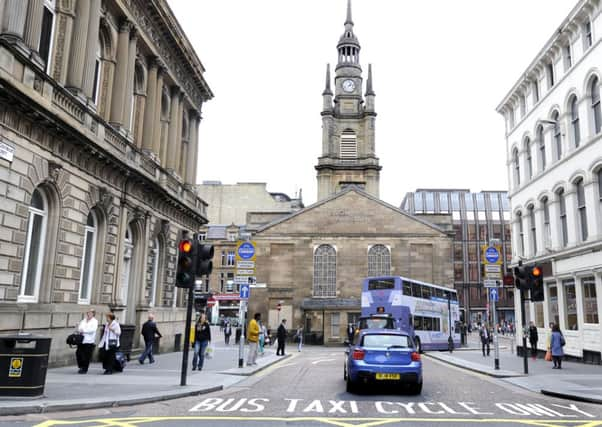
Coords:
pixel 126 340
pixel 156 345
pixel 23 365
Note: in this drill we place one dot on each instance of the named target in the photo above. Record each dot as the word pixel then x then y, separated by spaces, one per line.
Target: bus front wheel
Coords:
pixel 418 345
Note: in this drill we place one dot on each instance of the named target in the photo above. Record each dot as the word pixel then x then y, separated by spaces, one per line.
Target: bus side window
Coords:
pixel 437 324
pixel 418 323
pixel 428 324
pixel 439 293
pixel 416 291
pixel 426 292
pixel 407 288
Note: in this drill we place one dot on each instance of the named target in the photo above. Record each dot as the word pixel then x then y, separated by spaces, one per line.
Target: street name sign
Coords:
pixel 493 268
pixel 488 283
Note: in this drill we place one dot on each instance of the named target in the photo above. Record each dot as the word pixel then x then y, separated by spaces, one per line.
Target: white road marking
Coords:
pixel 315 362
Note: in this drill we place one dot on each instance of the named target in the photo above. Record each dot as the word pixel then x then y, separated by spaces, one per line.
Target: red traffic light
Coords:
pixel 536 272
pixel 185 246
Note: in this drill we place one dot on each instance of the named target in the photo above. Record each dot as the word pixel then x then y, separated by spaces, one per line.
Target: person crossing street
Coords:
pixel 281 335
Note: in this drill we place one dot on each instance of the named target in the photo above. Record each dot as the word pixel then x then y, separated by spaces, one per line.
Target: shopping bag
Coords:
pixel 209 351
pixel 548 357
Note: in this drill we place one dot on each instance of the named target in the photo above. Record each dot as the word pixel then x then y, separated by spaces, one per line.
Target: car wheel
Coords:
pixel 416 388
pixel 418 345
pixel 350 385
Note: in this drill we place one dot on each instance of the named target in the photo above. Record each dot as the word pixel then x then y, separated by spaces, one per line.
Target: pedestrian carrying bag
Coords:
pixel 548 357
pixel 75 339
pixel 209 351
pixel 112 343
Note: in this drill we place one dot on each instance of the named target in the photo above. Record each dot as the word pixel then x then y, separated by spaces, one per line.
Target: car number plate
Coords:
pixel 380 376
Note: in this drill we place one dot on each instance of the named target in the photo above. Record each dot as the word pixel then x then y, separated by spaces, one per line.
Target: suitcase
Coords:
pixel 120 361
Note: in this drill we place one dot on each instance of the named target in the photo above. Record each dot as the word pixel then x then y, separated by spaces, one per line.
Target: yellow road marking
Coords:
pixel 340 422
pixel 274 366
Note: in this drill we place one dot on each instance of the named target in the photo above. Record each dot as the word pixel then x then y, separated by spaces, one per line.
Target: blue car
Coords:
pixel 383 356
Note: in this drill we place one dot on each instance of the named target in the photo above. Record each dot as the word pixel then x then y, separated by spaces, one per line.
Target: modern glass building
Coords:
pixel 477 218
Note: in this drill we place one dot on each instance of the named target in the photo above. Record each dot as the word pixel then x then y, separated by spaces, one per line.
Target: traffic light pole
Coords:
pixel 187 336
pixel 496 343
pixel 524 325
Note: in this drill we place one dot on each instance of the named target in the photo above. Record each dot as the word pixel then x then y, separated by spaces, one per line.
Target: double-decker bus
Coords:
pixel 419 308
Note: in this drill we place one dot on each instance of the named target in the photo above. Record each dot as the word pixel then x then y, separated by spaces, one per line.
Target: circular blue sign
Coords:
pixel 246 250
pixel 492 255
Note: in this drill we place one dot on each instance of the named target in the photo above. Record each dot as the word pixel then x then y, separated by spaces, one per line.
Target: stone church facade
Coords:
pixel 100 103
pixel 313 261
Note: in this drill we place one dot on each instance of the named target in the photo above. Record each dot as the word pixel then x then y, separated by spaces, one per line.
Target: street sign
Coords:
pixel 245 251
pixel 245 290
pixel 492 255
pixel 493 276
pixel 245 264
pixel 493 294
pixel 488 283
pixel 245 272
pixel 493 268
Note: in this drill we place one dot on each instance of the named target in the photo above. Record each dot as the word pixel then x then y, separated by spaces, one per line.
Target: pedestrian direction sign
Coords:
pixel 245 291
pixel 493 294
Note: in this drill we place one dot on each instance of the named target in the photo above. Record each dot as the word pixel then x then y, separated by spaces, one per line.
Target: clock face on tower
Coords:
pixel 348 86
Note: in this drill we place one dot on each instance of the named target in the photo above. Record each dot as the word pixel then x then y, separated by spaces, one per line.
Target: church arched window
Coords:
pixel 379 261
pixel 348 147
pixel 325 271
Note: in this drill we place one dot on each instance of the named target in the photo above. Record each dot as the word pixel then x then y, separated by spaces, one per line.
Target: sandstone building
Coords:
pixel 100 102
pixel 313 261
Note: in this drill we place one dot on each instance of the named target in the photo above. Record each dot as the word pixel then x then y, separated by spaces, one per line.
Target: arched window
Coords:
pixel 581 209
pixel 521 234
pixel 596 113
pixel 516 163
pixel 575 121
pixel 562 216
pixel 34 247
pixel 557 134
pixel 348 147
pixel 128 254
pixel 379 261
pixel 156 258
pixel 325 271
pixel 529 160
pixel 88 257
pixel 47 32
pixel 542 148
pixel 532 229
pixel 138 99
pixel 546 223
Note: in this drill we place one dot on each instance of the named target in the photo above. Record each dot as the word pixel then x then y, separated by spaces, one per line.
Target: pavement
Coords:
pixel 575 381
pixel 67 390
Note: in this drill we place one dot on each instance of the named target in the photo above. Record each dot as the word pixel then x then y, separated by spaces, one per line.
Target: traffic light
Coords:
pixel 185 273
pixel 522 277
pixel 200 301
pixel 536 283
pixel 204 264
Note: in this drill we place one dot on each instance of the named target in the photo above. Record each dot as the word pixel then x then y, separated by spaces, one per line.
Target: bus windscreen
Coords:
pixel 381 284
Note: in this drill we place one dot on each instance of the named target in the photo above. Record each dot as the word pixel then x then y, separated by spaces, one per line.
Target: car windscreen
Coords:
pixel 376 323
pixel 386 341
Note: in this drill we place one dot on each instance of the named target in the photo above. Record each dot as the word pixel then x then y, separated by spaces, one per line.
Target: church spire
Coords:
pixel 348 46
pixel 369 90
pixel 327 90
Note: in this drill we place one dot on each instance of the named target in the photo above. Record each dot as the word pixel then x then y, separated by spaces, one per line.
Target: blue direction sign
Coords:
pixel 245 291
pixel 493 294
pixel 492 255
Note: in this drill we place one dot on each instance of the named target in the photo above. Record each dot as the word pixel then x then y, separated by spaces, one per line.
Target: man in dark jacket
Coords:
pixel 149 331
pixel 533 338
pixel 281 335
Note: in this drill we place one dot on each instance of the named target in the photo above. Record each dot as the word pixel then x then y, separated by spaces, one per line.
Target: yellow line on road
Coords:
pixel 275 366
pixel 340 422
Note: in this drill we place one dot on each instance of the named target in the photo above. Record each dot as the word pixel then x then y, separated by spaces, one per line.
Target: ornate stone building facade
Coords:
pixel 100 103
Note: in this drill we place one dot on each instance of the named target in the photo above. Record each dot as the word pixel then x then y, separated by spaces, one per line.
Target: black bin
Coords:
pixel 23 365
pixel 156 345
pixel 126 339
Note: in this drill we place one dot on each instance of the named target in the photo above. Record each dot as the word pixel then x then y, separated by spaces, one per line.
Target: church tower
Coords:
pixel 348 153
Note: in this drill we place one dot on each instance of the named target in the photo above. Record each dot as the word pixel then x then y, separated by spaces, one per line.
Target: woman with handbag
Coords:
pixel 87 328
pixel 556 343
pixel 202 338
pixel 109 343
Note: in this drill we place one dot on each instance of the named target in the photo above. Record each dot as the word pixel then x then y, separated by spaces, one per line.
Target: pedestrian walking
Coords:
pixel 109 343
pixel 253 339
pixel 149 332
pixel 281 336
pixel 533 338
pixel 261 338
pixel 202 338
pixel 237 335
pixel 350 332
pixel 556 343
pixel 227 332
pixel 485 335
pixel 87 327
pixel 299 338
